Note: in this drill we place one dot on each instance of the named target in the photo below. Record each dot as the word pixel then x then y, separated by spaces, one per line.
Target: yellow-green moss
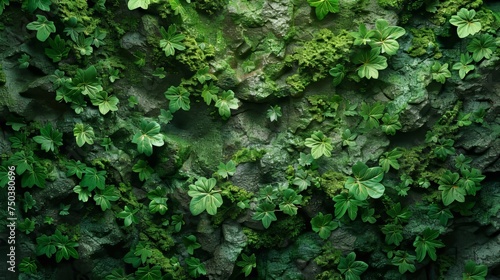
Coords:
pixel 194 56
pixel 332 182
pixel 273 236
pixel 424 42
pixel 3 80
pixel 248 155
pixel 391 4
pixel 447 8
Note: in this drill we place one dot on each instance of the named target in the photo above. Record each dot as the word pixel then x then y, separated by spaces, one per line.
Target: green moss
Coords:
pixel 169 266
pixel 248 155
pixel 332 182
pixel 317 56
pixel 273 236
pixel 78 9
pixel 489 21
pixel 391 4
pixel 3 80
pixel 195 56
pixel 424 42
pixel 234 193
pixel 447 8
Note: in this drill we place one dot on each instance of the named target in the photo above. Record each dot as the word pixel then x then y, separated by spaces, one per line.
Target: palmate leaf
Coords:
pixel 94 179
pixel 23 161
pixel 426 244
pixel 451 191
pixel 142 167
pixel 194 267
pixel 146 273
pixel 209 93
pixel 86 82
pixel 371 61
pixel 393 234
pixel 134 4
pixel 385 37
pixel 171 41
pixel 32 5
pixel 323 7
pixel 273 113
pixel 128 216
pixel 159 199
pixel 247 264
pixel 320 145
pixel 390 159
pixel 178 97
pixel 228 169
pixel 265 213
pixel 191 243
pixel 35 176
pixel 148 136
pixel 390 124
pixel 84 134
pixel 466 23
pixel 351 268
pixel 58 49
pixel 440 72
pixel 204 197
pixel 43 27
pixel 463 66
pixel 226 103
pixel 482 46
pixel 104 197
pixel 442 214
pixel 289 201
pixel 338 73
pixel 346 203
pixel 471 180
pixel 83 193
pixel 106 103
pixel 363 36
pixel 75 168
pixel 49 139
pixel 366 182
pixel 323 225
pixel 372 114
pixel 404 261
pixel 474 271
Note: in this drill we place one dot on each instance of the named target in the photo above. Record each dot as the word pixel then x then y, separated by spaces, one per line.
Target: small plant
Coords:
pixel 27 226
pixel 134 4
pixel 195 267
pixel 464 66
pixel 104 197
pixel 106 103
pixel 28 202
pixel 390 159
pixel 94 179
pixel 148 136
pixel 58 49
pixel 274 112
pixel 158 202
pixel 226 170
pixel 323 7
pixel 247 263
pixel 474 271
pixel 349 138
pixel 190 243
pixel 84 134
pixel 50 139
pixel 28 266
pixel 265 213
pixel 43 27
pixel 57 244
pixel 171 41
pixel 320 145
pixel 371 62
pixel 482 46
pixel 351 268
pixel 404 261
pixel 142 167
pixel 24 61
pixel 64 209
pixel 323 225
pixel 384 37
pixel 338 73
pixel 440 72
pixel 426 244
pixel 226 103
pixel 179 99
pixel 366 181
pixel 204 197
pixel 347 203
pixel 466 23
pixel 128 216
pixel 372 114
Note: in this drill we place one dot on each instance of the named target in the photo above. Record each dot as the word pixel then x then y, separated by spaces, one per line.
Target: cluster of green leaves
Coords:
pixel 28 165
pixel 269 197
pixel 43 27
pixel 204 196
pixel 426 244
pixel 171 40
pixel 320 145
pixel 466 23
pixel 455 188
pixel 323 7
pixel 148 136
pixel 351 268
pixel 57 244
pixel 323 225
pixel 274 112
pixel 50 139
pixel 247 263
pixel 158 203
pixel 440 72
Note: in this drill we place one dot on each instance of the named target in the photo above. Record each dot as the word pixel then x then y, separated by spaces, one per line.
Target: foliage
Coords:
pixel 274 112
pixel 323 7
pixel 404 261
pixel 349 138
pixel 226 170
pixel 190 243
pixel 179 99
pixel 24 61
pixel 426 244
pixel 390 159
pixel 265 213
pixel 142 167
pixel 104 197
pixel 366 181
pixel 320 145
pixel 94 179
pixel 43 27
pixel 466 23
pixel 393 234
pixel 351 268
pixel 27 226
pixel 384 36
pixel 106 103
pixel 451 190
pixel 482 46
pixel 32 5
pixel 390 124
pixel 204 197
pixel 247 263
pixel 195 267
pixel 289 199
pixel 84 134
pixel 158 202
pixel 148 136
pixel 171 41
pixel 463 66
pixel 75 168
pixel 371 61
pixel 57 244
pixel 83 193
pixel 3 3
pixel 50 138
pixel 134 4
pixel 372 114
pixel 323 225
pixel 226 103
pixel 346 203
pixel 58 49
pixel 474 271
pixel 147 273
pixel 442 214
pixel 28 201
pixel 128 215
pixel 440 72
pixel 28 265
pixel 338 73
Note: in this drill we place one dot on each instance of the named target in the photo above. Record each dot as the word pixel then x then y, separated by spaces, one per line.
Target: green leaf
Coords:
pixel 466 23
pixel 23 161
pixel 86 82
pixel 45 245
pixel 273 113
pixel 338 73
pixel 171 41
pixel 58 49
pixel 195 267
pixel 32 5
pixel 440 72
pixel 348 138
pixel 28 202
pixel 178 97
pixel 49 139
pixel 204 197
pixel 385 37
pixel 3 3
pixel 482 46
pixel 320 145
pixel 43 27
pixel 26 226
pixel 390 124
pixel 426 244
pixel 83 193
pixel 444 148
pixel 442 214
pixel 393 234
pixel 98 37
pixel 142 167
pixel 134 4
pixel 371 61
pixel 24 61
pixel 83 45
pixel 148 136
pixel 323 7
pixel 228 169
pixel 190 243
pixel 35 176
pixel 474 271
pixel 372 114
pixel 104 197
pixel 94 179
pixel 404 261
pixel 128 215
pixel 75 168
pixel 84 134
pixel 143 252
pixel 226 103
pixel 366 182
pixel 247 264
pixel 289 199
pixel 158 202
pixel 165 116
pixel 463 66
pixel 346 203
pixel 351 268
pixel 363 36
pixel 398 214
pixel 451 191
pixel 146 273
pixel 470 180
pixel 209 93
pixel 106 103
pixel 323 225
pixel 390 159
pixel 265 213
